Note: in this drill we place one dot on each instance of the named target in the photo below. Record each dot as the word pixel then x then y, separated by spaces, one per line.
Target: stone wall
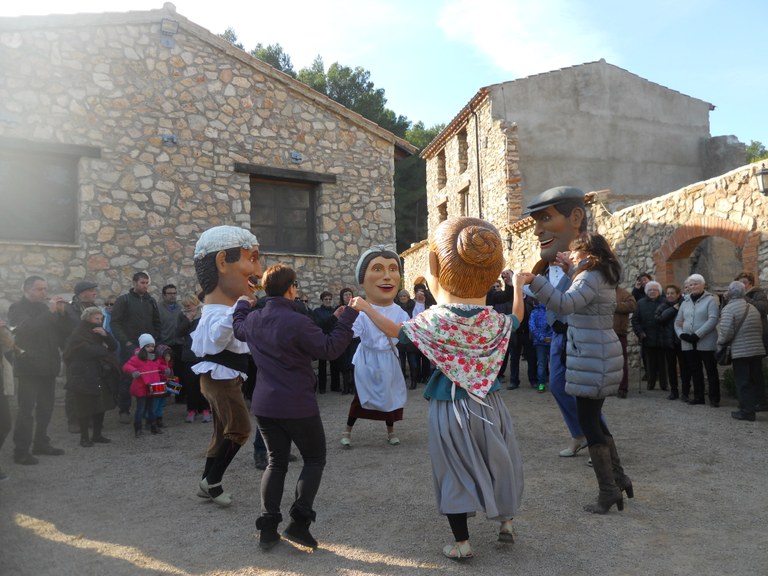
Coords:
pixel 111 82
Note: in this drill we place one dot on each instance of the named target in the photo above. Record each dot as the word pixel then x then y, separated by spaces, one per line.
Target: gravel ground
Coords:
pixel 129 508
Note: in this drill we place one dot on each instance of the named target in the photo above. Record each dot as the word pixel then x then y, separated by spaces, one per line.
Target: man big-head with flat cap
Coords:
pixel 560 216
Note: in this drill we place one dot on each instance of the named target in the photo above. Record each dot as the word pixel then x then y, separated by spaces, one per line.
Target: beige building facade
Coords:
pixel 124 136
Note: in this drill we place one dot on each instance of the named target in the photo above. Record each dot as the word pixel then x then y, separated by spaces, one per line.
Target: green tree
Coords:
pixel 275 56
pixel 756 151
pixel 314 76
pixel 230 36
pixel 411 188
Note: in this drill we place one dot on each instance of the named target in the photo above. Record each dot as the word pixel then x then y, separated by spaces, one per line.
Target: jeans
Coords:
pixel 159 407
pixel 309 436
pixel 145 408
pixel 35 395
pixel 542 362
pixel 565 401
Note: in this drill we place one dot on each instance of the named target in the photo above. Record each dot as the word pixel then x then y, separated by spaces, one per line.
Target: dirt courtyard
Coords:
pixel 129 508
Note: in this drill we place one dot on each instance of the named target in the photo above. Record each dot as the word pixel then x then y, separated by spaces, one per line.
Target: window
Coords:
pixel 464 201
pixel 463 147
pixel 39 190
pixel 441 177
pixel 283 216
pixel 283 207
pixel 442 211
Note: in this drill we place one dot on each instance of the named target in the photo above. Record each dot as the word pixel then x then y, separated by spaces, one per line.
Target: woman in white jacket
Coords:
pixel 696 326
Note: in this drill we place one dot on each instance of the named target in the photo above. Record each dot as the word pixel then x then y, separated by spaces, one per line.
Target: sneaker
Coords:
pixel 542 387
pixel 393 439
pixel 206 416
pixel 345 440
pixel 190 417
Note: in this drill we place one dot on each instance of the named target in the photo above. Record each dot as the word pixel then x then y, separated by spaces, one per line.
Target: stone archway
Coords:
pixel 684 240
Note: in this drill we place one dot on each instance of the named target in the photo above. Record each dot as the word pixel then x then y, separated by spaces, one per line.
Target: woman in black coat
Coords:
pixel 92 374
pixel 673 355
pixel 649 333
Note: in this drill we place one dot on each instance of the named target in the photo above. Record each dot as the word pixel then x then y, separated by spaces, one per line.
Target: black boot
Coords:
pixel 413 382
pixel 267 526
pixel 298 528
pixel 153 427
pixel 609 493
pixel 98 425
pixel 622 480
pixel 137 429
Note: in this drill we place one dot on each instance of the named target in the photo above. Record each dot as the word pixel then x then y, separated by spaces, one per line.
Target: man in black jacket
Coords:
pixel 134 313
pixel 40 329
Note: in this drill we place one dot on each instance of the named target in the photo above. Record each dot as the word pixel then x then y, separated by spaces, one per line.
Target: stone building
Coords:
pixel 595 126
pixel 125 135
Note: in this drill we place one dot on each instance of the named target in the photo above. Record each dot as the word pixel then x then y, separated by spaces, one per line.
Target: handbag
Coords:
pixel 723 353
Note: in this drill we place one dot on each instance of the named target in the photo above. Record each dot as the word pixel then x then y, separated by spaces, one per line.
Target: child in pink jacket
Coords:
pixel 146 369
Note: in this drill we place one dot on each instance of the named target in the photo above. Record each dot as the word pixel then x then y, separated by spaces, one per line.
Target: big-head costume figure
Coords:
pixel 476 461
pixel 226 261
pixel 380 392
pixel 560 216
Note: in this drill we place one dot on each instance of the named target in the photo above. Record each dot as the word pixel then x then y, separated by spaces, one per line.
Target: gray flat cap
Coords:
pixel 552 197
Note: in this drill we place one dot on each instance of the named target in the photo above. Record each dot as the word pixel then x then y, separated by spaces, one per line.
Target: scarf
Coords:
pixel 469 351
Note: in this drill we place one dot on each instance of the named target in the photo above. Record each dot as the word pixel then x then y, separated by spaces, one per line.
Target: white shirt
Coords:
pixel 370 335
pixel 215 334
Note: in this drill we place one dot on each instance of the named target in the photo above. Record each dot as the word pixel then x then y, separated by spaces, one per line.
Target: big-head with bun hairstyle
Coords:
pixel 466 256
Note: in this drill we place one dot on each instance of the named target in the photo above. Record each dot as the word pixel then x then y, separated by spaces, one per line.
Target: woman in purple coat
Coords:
pixel 283 344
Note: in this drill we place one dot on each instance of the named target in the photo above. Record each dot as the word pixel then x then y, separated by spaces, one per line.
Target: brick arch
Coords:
pixel 683 241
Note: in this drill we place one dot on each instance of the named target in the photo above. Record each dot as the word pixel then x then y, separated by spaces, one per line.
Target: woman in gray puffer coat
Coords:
pixel 741 326
pixel 594 360
pixel 696 326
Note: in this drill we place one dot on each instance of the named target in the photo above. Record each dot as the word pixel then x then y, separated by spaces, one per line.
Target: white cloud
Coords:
pixel 525 37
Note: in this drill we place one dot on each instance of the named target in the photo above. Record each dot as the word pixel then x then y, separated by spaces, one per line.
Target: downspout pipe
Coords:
pixel 477 163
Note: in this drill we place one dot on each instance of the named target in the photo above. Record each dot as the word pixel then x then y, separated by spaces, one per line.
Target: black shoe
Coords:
pixel 85 443
pixel 621 394
pixel 47 450
pixel 695 401
pixel 260 460
pixel 684 398
pixel 101 440
pixel 741 415
pixel 714 404
pixel 299 532
pixel 25 459
pixel 672 396
pixel 268 535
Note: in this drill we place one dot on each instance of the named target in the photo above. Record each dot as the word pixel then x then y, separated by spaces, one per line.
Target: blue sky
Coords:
pixel 431 56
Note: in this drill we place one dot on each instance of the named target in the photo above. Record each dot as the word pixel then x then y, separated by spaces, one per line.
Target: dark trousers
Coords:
pixel 655 367
pixel 589 412
pixel 750 384
pixel 124 385
pixel 309 436
pixel 624 385
pixel 35 395
pixel 698 362
pixel 522 347
pixel 190 382
pixel 5 417
pixel 322 375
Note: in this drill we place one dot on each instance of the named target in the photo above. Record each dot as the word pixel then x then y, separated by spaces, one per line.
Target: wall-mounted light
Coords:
pixel 168 27
pixel 169 139
pixel 508 240
pixel 296 157
pixel 762 180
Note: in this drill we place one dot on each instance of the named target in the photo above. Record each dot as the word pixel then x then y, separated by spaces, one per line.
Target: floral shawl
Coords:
pixel 468 350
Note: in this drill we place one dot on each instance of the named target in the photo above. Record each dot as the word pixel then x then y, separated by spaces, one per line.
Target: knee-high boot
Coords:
pixel 622 480
pixel 609 493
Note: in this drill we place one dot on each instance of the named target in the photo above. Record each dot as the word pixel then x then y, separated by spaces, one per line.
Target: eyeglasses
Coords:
pixel 296 283
pixel 305 301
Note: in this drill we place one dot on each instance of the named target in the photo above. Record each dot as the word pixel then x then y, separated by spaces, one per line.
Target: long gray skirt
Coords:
pixel 476 466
